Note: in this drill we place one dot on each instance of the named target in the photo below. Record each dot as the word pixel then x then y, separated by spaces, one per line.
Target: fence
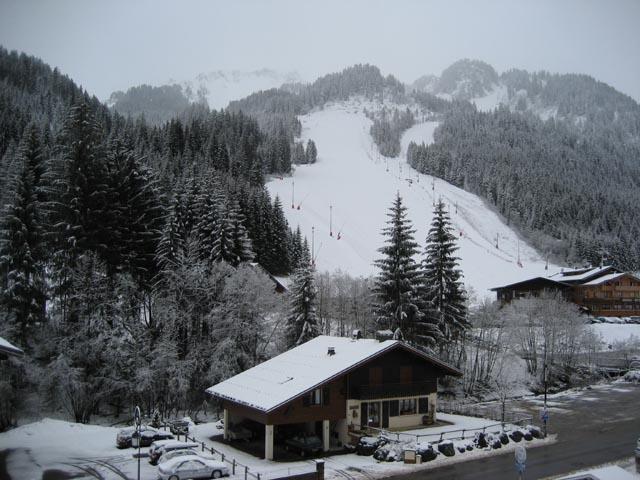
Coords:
pixel 491 411
pixel 458 434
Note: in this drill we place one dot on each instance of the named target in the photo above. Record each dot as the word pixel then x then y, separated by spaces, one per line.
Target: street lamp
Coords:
pixel 135 442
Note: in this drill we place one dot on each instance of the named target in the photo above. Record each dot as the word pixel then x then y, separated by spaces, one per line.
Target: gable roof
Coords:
pixel 291 374
pixel 8 348
pixel 608 278
pixel 583 274
pixel 547 280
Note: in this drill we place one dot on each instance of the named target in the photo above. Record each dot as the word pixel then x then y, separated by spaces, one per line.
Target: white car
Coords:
pixel 181 468
pixel 177 453
pixel 161 447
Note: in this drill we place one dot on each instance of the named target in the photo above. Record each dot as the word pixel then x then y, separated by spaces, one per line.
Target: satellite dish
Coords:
pixel 521 454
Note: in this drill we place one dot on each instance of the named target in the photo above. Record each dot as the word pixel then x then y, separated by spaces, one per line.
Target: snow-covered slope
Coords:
pixel 360 185
pixel 221 87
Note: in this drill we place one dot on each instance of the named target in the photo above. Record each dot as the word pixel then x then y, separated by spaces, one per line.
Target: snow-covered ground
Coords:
pixel 54 444
pixel 360 185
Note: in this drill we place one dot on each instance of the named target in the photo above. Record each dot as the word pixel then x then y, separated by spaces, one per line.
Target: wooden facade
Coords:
pixel 396 387
pixel 606 292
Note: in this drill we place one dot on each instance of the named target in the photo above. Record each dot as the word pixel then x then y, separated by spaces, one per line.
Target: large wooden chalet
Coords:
pixel 335 388
pixel 599 291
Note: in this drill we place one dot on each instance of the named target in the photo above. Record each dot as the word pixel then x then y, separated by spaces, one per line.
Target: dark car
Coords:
pixel 123 438
pixel 179 427
pixel 148 435
pixel 368 445
pixel 304 445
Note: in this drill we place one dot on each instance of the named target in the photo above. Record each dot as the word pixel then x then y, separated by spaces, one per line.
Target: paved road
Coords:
pixel 594 427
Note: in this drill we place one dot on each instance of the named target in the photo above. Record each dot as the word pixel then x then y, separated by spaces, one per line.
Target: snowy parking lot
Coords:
pixel 56 446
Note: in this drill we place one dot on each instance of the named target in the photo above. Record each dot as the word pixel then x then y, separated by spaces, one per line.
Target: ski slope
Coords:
pixel 349 190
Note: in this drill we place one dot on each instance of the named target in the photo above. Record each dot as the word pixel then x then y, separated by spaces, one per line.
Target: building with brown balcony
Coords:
pixel 333 388
pixel 599 291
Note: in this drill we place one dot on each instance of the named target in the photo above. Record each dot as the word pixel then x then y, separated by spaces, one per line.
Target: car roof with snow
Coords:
pixel 305 367
pixel 207 461
pixel 174 444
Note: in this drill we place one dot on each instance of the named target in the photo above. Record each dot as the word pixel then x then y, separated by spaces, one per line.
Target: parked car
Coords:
pixel 161 447
pixel 181 468
pixel 368 445
pixel 181 452
pixel 239 432
pixel 148 435
pixel 179 427
pixel 304 444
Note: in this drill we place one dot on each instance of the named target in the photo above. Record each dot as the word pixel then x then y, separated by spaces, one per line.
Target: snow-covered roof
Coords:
pixel 303 368
pixel 606 278
pixel 573 276
pixel 7 347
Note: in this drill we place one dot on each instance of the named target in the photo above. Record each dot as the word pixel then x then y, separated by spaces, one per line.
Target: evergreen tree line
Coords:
pixel 127 252
pixel 578 190
pixel 387 129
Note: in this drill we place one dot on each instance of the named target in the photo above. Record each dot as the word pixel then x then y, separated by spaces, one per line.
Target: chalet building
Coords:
pixel 333 387
pixel 598 291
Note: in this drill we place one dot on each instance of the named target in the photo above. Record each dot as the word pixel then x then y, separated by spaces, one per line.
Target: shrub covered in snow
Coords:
pixel 426 451
pixel 535 431
pixel 446 448
pixel 480 440
pixel 391 452
pixel 516 435
pixel 632 376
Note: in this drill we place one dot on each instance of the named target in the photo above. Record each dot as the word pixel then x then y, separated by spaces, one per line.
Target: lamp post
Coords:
pixel 138 423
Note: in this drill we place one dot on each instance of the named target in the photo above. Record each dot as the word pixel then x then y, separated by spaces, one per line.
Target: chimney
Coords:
pixel 331 351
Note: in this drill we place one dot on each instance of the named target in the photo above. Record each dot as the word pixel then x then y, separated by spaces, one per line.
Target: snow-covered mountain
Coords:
pixel 219 87
pixel 575 98
pixel 346 195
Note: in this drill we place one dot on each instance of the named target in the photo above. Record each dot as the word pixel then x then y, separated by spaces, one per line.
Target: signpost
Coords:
pixel 544 416
pixel 521 458
pixel 138 422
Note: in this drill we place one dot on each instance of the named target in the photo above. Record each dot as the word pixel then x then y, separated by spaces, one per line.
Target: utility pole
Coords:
pixel 331 220
pixel 293 186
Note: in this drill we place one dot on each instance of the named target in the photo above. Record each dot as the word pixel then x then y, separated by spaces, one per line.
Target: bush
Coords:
pixel 426 451
pixel 480 440
pixel 516 435
pixel 446 448
pixel 535 431
pixel 504 438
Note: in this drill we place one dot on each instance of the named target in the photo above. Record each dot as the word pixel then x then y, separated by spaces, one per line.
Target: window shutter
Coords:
pixel 325 395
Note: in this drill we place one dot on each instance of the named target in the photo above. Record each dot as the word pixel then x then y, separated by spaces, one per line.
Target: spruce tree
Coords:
pixel 312 152
pixel 396 286
pixel 444 290
pixel 302 322
pixel 21 239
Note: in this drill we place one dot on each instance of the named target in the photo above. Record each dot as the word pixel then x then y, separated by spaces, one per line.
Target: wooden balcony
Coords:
pixel 392 390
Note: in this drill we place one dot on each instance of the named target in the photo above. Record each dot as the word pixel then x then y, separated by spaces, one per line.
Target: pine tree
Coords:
pixel 241 244
pixel 396 286
pixel 312 152
pixel 22 238
pixel 302 322
pixel 444 290
pixel 223 240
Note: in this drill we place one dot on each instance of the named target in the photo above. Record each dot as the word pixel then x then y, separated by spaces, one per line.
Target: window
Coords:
pixel 423 405
pixel 408 406
pixel 394 408
pixel 319 396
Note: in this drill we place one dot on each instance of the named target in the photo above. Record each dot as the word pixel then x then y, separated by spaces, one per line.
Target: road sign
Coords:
pixel 521 454
pixel 544 414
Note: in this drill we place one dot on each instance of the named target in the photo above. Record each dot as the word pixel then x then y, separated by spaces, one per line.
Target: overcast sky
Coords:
pixel 109 45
